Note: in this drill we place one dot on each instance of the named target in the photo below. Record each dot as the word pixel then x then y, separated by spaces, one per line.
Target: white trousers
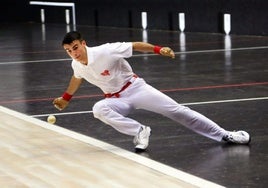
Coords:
pixel 140 95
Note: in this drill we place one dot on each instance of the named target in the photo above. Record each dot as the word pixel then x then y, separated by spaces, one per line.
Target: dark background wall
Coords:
pixel 249 17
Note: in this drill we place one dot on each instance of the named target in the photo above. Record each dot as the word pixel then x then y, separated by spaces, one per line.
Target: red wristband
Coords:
pixel 157 49
pixel 66 96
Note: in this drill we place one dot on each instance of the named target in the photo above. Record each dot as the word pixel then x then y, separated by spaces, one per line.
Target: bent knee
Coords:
pixel 100 109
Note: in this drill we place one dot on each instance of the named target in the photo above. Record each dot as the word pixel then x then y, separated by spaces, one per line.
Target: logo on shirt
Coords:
pixel 105 73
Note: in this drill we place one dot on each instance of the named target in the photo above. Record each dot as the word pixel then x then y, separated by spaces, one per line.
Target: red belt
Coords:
pixel 117 94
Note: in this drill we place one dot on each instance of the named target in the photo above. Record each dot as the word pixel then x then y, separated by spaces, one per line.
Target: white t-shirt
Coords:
pixel 106 68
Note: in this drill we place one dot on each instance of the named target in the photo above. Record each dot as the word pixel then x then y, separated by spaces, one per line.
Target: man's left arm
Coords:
pixel 147 47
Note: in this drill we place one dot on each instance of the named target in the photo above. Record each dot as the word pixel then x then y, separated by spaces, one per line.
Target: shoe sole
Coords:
pixel 249 140
pixel 140 147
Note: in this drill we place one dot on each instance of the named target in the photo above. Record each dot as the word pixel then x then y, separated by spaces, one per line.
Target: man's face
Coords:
pixel 76 50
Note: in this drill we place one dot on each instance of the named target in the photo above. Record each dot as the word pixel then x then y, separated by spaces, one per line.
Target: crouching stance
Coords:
pixel 106 67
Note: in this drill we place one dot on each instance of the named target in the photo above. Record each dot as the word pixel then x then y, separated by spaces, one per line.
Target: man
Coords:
pixel 106 67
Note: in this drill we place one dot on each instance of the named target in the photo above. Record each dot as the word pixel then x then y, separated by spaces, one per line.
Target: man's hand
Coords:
pixel 166 51
pixel 60 103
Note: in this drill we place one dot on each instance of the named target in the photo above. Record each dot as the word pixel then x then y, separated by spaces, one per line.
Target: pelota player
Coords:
pixel 106 67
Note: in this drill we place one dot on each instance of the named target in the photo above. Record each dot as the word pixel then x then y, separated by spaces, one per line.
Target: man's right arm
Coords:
pixel 74 85
pixel 62 102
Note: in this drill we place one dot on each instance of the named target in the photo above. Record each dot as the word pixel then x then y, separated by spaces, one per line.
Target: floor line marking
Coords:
pixel 223 50
pixel 215 86
pixel 162 90
pixel 34 61
pixel 185 104
pixel 160 167
pixel 207 51
pixel 142 55
pixel 226 101
pixel 62 113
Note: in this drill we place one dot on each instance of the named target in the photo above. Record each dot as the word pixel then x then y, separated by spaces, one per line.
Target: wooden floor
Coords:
pixel 37 154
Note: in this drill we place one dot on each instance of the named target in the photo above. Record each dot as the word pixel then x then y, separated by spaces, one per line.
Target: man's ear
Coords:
pixel 83 42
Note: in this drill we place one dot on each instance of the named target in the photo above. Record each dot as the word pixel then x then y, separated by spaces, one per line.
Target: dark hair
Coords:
pixel 71 36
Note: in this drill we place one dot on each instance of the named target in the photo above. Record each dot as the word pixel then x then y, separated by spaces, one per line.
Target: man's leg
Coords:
pixel 149 98
pixel 113 111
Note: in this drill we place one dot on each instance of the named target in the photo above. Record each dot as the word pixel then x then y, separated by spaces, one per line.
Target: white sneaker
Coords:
pixel 238 137
pixel 141 140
